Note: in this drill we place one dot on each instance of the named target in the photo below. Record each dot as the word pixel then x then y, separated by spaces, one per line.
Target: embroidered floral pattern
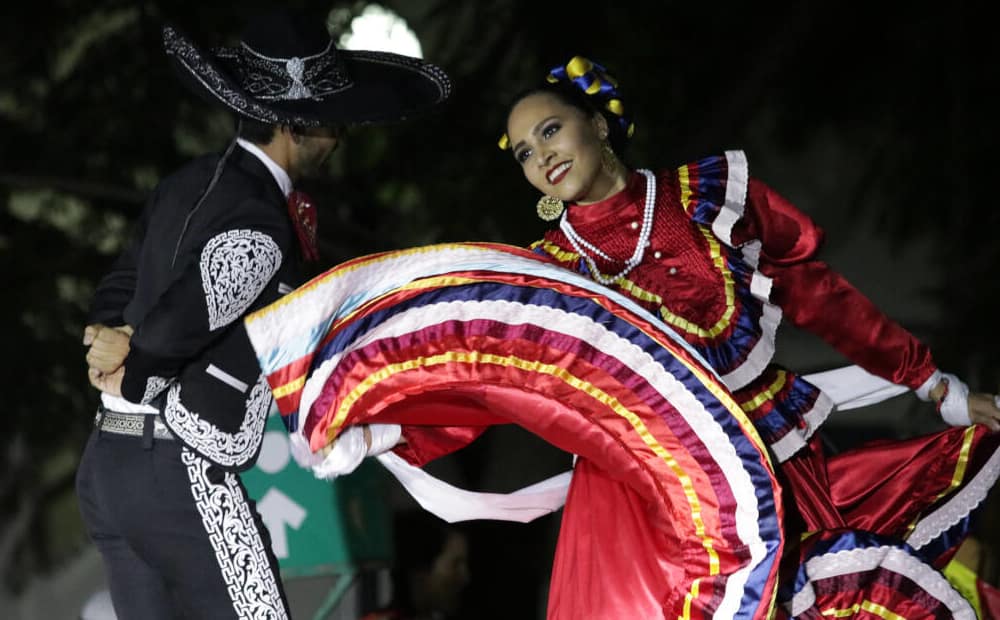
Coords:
pixel 154 385
pixel 238 546
pixel 205 72
pixel 308 77
pixel 226 449
pixel 235 267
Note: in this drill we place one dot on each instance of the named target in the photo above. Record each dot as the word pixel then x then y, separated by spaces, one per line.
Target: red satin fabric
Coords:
pixel 811 295
pixel 884 487
pixel 616 541
pixel 787 235
pixel 607 530
pixel 881 487
pixel 816 298
pixel 604 439
pixel 989 598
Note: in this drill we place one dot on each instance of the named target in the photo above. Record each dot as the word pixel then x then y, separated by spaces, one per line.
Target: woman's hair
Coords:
pixel 588 87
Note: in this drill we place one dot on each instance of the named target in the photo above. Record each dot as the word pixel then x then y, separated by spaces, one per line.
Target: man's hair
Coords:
pixel 256 131
pixel 263 133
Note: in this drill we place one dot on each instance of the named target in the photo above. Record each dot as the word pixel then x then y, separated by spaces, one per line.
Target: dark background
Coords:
pixel 878 119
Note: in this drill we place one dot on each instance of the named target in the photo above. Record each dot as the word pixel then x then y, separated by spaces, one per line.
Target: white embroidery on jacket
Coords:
pixel 154 385
pixel 235 267
pixel 226 449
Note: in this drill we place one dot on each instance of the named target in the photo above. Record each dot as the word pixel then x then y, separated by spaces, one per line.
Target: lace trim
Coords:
pixel 237 543
pixel 892 559
pixel 225 449
pixel 959 506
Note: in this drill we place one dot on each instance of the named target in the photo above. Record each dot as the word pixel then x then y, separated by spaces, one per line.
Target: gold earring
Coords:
pixel 549 207
pixel 609 161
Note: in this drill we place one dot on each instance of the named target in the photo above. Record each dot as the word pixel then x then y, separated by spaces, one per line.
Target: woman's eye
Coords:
pixel 551 130
pixel 522 155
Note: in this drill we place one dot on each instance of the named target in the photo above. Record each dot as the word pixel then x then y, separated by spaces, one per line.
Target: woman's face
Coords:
pixel 559 148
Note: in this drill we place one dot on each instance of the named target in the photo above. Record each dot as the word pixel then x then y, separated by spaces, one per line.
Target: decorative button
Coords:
pixel 673 270
pixel 634 225
pixel 657 254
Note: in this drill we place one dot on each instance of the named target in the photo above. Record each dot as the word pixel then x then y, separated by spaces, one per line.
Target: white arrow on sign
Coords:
pixel 276 511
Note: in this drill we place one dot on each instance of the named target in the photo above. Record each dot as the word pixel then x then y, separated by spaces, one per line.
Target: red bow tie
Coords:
pixel 303 214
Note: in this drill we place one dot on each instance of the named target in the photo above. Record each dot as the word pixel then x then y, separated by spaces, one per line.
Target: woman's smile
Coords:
pixel 558 173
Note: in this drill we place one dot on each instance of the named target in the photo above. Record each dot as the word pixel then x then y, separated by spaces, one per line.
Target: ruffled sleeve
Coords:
pixel 816 298
pixel 787 235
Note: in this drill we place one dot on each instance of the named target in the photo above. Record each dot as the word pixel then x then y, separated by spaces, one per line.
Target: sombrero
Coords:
pixel 288 70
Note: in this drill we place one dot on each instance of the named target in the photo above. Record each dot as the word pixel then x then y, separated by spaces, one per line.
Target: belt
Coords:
pixel 131 423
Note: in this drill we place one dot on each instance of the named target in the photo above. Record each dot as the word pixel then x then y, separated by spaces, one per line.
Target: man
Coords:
pixel 184 403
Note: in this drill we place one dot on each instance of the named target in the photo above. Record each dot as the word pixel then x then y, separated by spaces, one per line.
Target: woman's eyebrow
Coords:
pixel 534 131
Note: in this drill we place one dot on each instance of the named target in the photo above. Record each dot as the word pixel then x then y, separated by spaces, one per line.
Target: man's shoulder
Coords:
pixel 234 183
pixel 201 167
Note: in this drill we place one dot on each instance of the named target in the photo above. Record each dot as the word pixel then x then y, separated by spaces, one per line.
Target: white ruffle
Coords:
pixel 796 438
pixel 955 406
pixel 959 506
pixel 730 213
pixel 761 353
pixel 924 391
pixel 736 195
pixel 888 558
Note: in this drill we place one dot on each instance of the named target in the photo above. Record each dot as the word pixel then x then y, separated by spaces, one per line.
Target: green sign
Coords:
pixel 319 526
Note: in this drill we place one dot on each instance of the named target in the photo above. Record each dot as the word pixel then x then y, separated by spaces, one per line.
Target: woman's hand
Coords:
pixel 960 407
pixel 366 434
pixel 985 409
pixel 353 444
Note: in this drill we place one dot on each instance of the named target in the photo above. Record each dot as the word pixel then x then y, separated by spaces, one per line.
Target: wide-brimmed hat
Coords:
pixel 288 70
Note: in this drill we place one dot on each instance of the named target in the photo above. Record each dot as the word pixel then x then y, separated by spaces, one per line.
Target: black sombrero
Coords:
pixel 287 70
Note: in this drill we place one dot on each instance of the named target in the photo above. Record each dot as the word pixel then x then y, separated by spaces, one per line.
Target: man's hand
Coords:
pixel 108 346
pixel 109 383
pixel 90 332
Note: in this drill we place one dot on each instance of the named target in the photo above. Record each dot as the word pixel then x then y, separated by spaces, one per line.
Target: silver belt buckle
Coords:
pixel 160 430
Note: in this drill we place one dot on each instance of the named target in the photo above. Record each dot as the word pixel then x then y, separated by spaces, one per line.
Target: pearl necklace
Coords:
pixel 581 245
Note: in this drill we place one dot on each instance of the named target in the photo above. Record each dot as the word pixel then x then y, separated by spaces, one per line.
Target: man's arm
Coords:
pixel 106 334
pixel 109 347
pixel 216 286
pixel 116 289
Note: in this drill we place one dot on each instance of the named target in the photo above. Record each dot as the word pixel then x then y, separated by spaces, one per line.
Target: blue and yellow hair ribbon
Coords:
pixel 594 81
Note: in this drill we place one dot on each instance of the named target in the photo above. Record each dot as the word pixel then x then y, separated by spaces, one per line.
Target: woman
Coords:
pixel 721 257
pixel 674 508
